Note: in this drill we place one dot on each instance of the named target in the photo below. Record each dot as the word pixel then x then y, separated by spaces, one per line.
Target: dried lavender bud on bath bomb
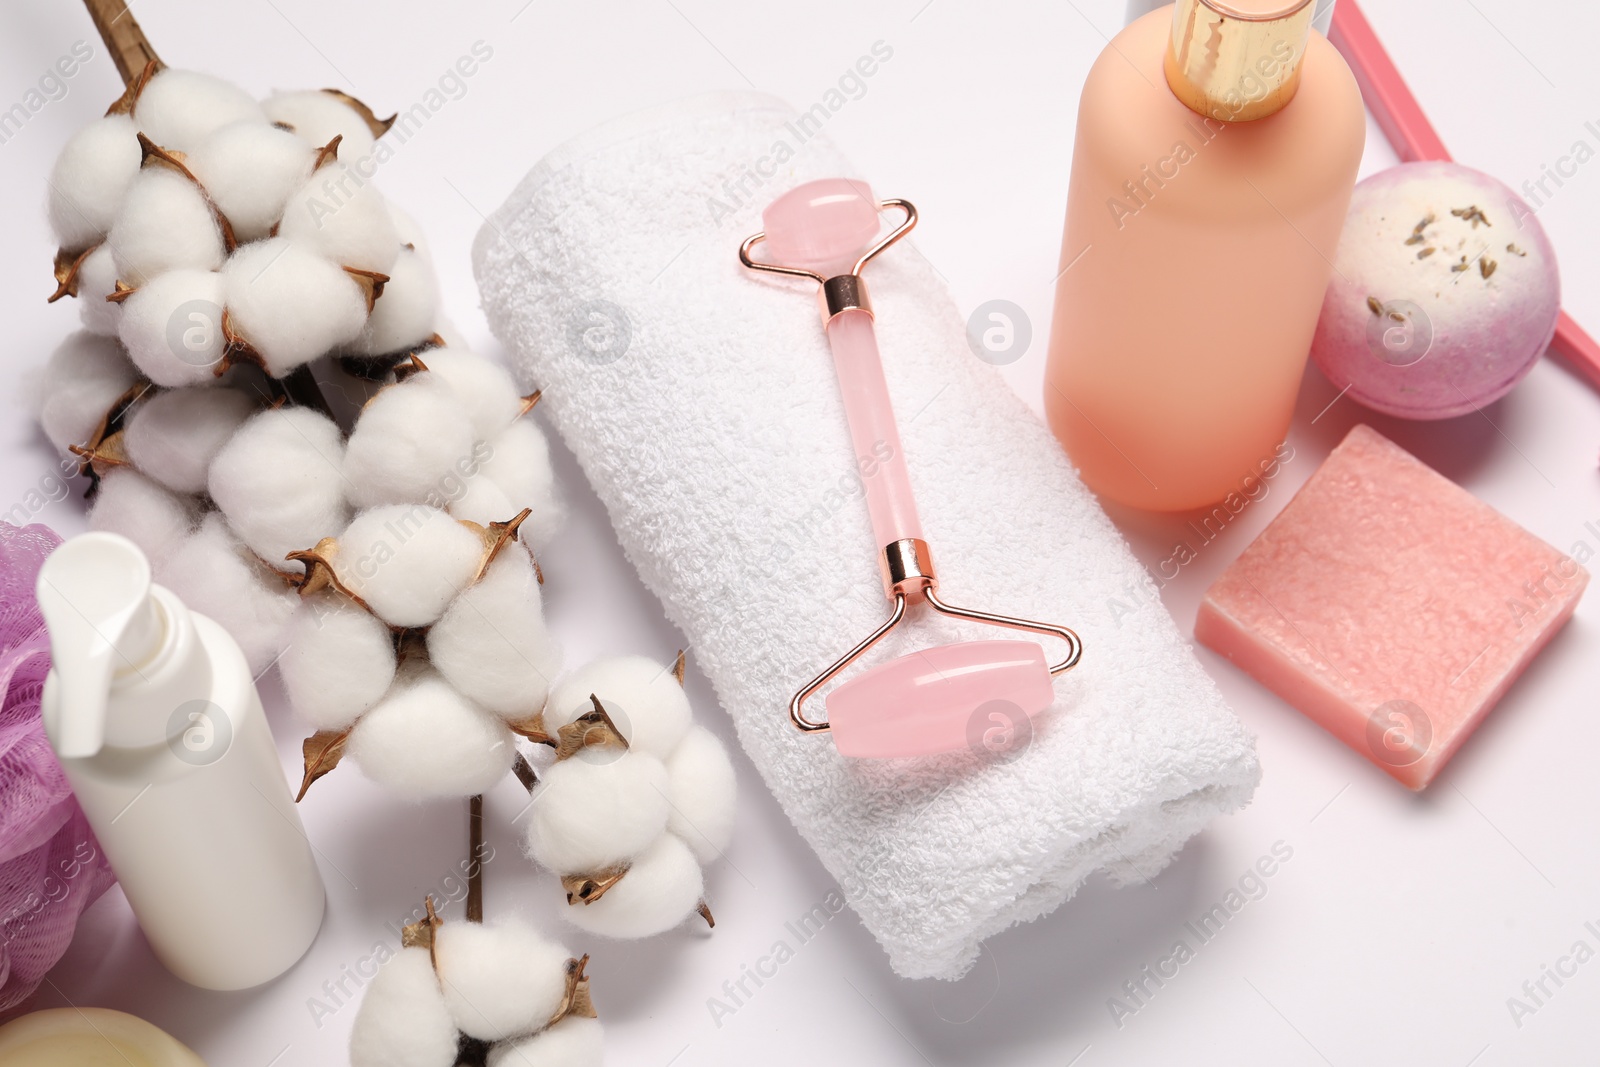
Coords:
pixel 1445 294
pixel 500 979
pixel 661 889
pixel 403 1021
pixel 599 810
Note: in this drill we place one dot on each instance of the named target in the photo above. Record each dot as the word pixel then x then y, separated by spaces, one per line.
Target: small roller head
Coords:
pixel 822 225
pixel 938 699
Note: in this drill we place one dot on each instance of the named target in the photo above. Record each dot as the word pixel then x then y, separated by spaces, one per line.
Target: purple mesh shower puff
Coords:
pixel 51 867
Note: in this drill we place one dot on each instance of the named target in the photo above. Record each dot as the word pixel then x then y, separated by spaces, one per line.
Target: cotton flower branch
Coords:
pixel 226 255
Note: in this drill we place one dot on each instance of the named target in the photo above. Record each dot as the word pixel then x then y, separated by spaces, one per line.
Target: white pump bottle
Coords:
pixel 157 723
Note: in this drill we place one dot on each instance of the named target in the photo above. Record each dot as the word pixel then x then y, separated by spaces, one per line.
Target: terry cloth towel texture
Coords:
pixel 701 403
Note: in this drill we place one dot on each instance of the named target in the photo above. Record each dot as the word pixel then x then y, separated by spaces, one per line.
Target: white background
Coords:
pixel 1402 923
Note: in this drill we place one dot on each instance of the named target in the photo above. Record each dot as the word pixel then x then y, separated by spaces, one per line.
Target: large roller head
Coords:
pixel 823 225
pixel 939 699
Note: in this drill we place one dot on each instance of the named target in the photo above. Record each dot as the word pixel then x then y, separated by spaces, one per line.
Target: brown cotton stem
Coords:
pixel 475 859
pixel 130 49
pixel 524 772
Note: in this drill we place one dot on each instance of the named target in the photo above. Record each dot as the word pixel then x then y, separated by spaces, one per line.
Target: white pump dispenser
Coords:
pixel 157 723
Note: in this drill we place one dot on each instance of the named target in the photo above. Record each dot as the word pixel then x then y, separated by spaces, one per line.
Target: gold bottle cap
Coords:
pixel 1237 60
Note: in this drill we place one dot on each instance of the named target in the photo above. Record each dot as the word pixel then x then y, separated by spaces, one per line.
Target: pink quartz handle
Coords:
pixel 873 432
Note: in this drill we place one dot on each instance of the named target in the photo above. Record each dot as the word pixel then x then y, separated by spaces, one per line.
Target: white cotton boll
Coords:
pixel 174 435
pixel 97 279
pixel 179 108
pixel 482 502
pixel 661 889
pixel 172 327
pixel 215 575
pixel 573 1042
pixel 597 810
pixel 492 643
pixel 499 979
pixel 90 178
pixel 165 223
pixel 484 387
pixel 519 463
pixel 411 233
pixel 403 316
pixel 85 376
pixel 249 169
pixel 425 738
pixel 338 661
pixel 155 519
pixel 642 697
pixel 700 784
pixel 343 217
pixel 403 1021
pixel 447 329
pixel 277 480
pixel 290 303
pixel 411 442
pixel 407 561
pixel 318 117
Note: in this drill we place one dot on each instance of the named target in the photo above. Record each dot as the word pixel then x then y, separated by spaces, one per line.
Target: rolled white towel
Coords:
pixel 701 402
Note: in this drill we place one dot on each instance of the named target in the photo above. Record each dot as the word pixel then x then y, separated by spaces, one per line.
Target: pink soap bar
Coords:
pixel 1390 605
pixel 974 694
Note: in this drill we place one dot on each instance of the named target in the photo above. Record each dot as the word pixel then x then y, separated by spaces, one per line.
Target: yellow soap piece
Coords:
pixel 90 1037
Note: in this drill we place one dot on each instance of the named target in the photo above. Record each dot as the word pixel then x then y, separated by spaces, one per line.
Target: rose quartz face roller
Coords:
pixel 927 701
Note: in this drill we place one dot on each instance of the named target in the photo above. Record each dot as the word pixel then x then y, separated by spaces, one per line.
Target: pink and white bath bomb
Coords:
pixel 1445 294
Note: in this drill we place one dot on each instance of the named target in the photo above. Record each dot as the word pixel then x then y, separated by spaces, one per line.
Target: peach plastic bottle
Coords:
pixel 1200 236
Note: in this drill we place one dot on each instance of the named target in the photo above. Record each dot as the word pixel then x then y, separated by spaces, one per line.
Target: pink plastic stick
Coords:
pixel 1414 138
pixel 873 432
